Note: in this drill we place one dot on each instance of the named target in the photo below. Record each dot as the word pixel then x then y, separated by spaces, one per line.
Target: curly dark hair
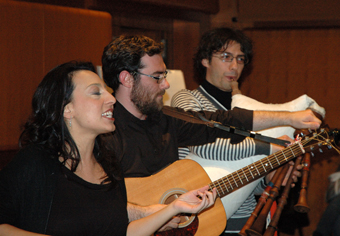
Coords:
pixel 46 126
pixel 213 41
pixel 125 53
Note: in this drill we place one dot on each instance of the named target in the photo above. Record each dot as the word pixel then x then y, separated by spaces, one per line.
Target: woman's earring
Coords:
pixel 70 122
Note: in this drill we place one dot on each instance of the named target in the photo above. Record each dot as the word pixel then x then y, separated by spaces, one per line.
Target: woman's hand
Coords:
pixel 190 202
pixel 195 201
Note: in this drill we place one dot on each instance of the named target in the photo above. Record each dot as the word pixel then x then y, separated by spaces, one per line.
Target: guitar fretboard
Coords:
pixel 251 172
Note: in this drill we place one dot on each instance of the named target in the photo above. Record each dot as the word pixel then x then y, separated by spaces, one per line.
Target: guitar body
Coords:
pixel 185 175
pixel 181 175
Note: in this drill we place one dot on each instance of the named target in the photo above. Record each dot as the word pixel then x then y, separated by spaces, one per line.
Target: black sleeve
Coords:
pixel 8 191
pixel 238 117
pixel 190 134
pixel 26 188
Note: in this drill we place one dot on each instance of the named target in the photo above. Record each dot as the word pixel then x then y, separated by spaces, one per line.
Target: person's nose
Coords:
pixel 110 99
pixel 164 84
pixel 233 64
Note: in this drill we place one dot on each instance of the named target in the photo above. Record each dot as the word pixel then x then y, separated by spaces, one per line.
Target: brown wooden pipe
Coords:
pixel 272 227
pixel 302 205
pixel 257 228
pixel 261 202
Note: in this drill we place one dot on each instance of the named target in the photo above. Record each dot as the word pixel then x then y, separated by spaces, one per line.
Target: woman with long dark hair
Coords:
pixel 64 180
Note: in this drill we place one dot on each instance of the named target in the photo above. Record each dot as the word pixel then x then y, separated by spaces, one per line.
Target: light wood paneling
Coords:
pixel 291 13
pixel 290 63
pixel 34 38
pixel 204 6
pixel 187 35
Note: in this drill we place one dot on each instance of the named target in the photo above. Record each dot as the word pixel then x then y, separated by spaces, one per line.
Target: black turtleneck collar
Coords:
pixel 222 97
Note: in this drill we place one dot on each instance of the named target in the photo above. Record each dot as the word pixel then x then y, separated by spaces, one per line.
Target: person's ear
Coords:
pixel 68 111
pixel 126 79
pixel 205 62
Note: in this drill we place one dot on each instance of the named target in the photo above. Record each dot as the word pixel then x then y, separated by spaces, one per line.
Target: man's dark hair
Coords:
pixel 215 40
pixel 125 53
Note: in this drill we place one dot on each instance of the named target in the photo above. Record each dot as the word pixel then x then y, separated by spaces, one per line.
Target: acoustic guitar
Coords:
pixel 184 175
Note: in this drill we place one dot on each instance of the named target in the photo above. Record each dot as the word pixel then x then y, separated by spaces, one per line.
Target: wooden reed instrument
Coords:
pixel 257 228
pixel 261 202
pixel 302 205
pixel 272 227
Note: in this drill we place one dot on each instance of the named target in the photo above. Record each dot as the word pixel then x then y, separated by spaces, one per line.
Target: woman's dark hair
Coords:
pixel 215 40
pixel 46 126
pixel 125 53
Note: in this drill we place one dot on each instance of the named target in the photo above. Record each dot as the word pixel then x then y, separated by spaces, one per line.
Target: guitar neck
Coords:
pixel 249 173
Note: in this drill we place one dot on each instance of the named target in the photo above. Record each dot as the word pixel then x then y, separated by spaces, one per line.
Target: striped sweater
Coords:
pixel 221 149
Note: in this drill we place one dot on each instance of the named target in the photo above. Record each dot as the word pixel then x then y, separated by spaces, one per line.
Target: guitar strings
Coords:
pixel 254 171
pixel 246 175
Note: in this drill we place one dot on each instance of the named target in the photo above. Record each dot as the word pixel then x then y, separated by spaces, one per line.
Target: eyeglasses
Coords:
pixel 159 78
pixel 228 57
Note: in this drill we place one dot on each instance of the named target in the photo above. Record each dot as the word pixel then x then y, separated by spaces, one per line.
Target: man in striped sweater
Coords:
pixel 221 56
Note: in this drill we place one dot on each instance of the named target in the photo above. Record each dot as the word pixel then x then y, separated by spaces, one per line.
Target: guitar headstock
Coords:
pixel 321 140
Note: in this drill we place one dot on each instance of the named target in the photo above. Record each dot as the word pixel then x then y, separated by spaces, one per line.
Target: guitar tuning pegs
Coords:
pixel 329 146
pixel 320 150
pixel 312 154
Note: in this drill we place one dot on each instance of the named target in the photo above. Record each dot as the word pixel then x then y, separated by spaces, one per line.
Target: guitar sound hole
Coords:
pixel 170 196
pixel 187 231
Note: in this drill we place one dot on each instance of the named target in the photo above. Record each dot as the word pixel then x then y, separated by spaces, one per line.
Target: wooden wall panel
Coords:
pixel 291 13
pixel 289 63
pixel 21 63
pixel 76 34
pixel 187 35
pixel 210 7
pixel 35 38
pixel 292 62
pixel 197 5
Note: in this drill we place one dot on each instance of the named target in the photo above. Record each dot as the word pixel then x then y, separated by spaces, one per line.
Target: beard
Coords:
pixel 145 100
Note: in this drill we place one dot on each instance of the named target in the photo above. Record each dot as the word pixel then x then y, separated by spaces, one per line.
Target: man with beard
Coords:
pixel 146 140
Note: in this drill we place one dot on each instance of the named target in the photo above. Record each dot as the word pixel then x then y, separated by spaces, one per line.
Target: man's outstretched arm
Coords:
pixel 299 119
